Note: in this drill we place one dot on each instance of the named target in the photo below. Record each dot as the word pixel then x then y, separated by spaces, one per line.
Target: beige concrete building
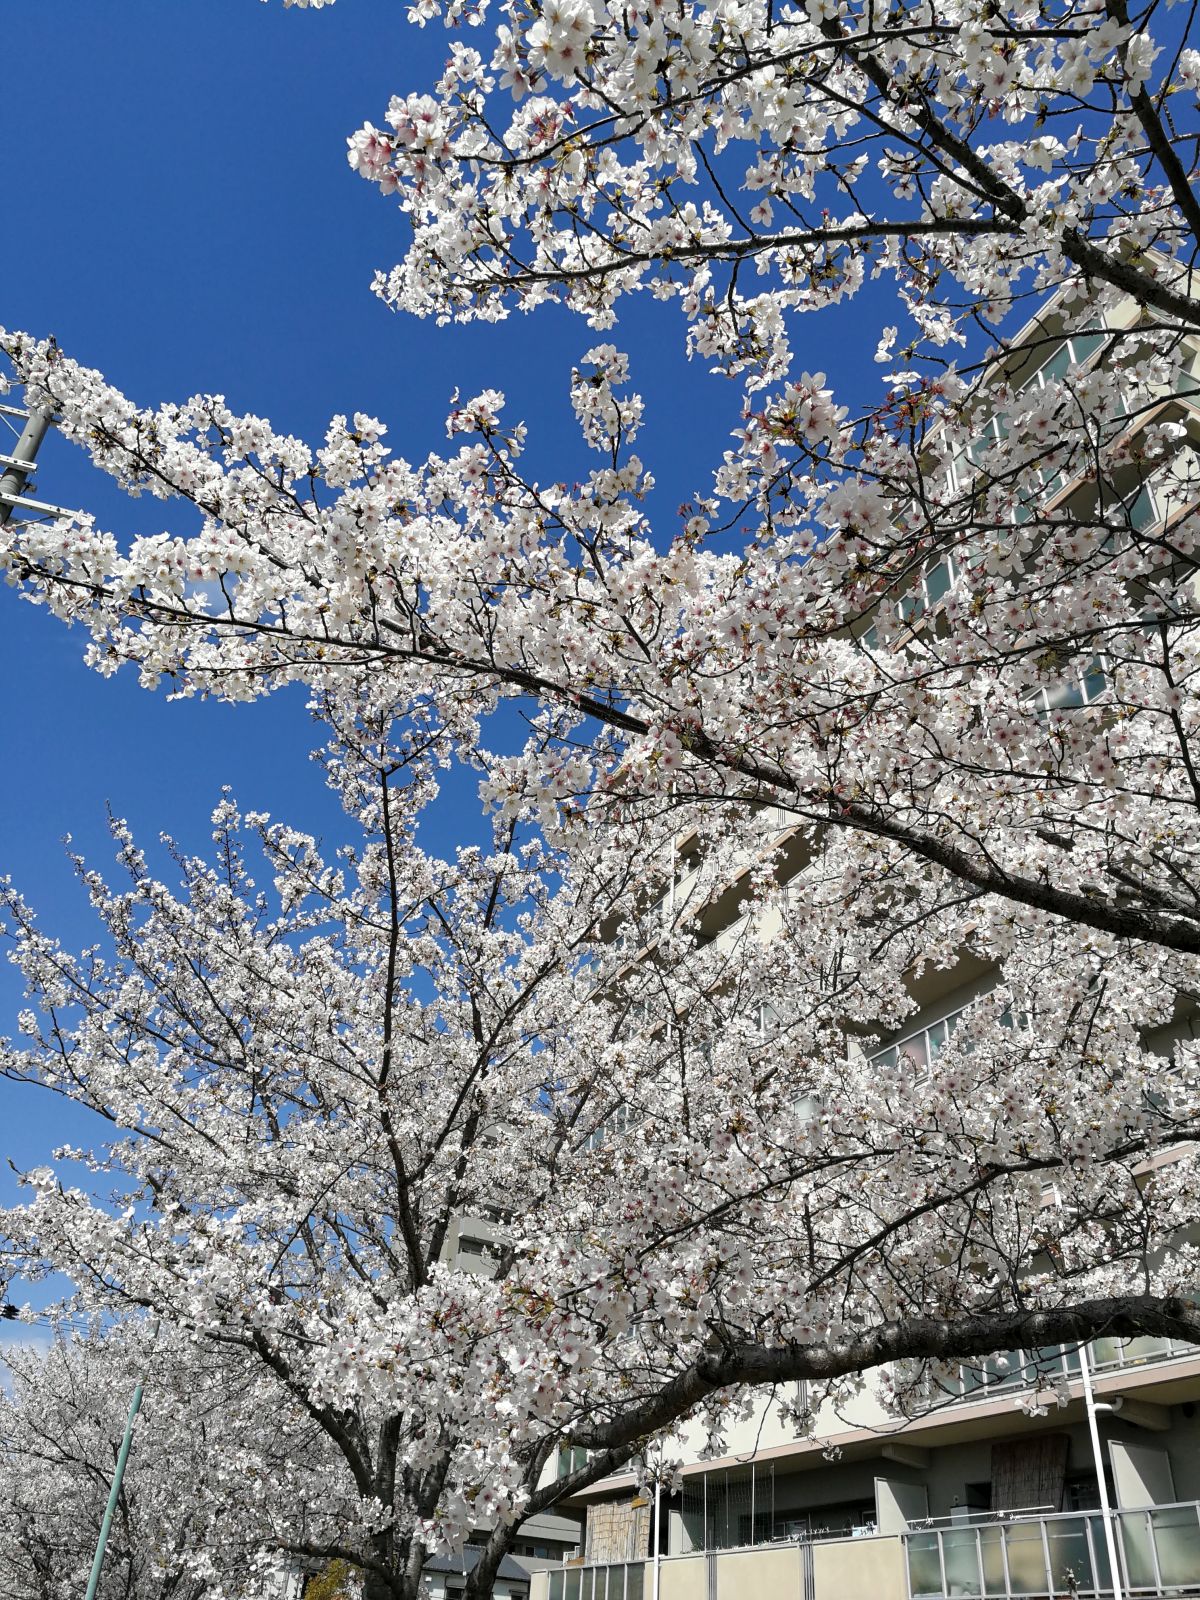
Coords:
pixel 977 1494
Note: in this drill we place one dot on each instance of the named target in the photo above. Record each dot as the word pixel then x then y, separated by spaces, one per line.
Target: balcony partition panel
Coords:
pixel 1026 1552
pixel 991 1560
pixel 1069 1552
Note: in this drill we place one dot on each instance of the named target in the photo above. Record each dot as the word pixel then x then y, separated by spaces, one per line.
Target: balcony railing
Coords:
pixel 1038 1369
pixel 1063 1554
pixel 618 1580
pixel 1000 1556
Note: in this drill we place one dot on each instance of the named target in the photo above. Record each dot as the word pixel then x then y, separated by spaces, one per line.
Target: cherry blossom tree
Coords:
pixel 973 160
pixel 698 1174
pixel 935 705
pixel 62 1416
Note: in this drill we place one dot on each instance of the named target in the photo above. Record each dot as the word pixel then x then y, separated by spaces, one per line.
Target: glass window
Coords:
pixel 913 1049
pixel 1095 682
pixel 937 581
pixel 1106 1352
pixel 1139 1350
pixel 1065 696
pixel 1084 345
pixel 570 1459
pixel 978 446
pixel 1004 1368
pixel 922 1046
pixel 1141 509
pixel 1050 371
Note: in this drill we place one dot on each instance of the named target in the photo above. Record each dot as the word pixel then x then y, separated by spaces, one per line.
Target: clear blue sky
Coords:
pixel 180 214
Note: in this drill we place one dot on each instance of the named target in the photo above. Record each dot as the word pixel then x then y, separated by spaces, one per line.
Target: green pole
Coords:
pixel 135 1405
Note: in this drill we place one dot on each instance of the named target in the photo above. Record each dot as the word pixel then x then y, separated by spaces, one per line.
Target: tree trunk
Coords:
pixel 376 1587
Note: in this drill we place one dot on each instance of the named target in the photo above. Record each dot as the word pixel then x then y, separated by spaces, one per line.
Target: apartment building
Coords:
pixel 1050 1472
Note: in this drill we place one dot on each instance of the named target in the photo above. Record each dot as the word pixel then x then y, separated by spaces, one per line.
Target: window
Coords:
pixel 1080 347
pixel 921 1046
pixel 1081 684
pixel 936 579
pixel 1072 351
pixel 1045 1367
pixel 615 1123
pixel 571 1458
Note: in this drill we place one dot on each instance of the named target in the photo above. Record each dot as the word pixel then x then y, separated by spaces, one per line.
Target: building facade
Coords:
pixel 1047 1473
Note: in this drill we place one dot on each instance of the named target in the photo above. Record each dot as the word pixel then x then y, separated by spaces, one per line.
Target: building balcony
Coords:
pixel 1056 1366
pixel 1062 1554
pixel 993 1556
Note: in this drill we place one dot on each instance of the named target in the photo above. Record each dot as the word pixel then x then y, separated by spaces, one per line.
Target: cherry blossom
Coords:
pixel 907 691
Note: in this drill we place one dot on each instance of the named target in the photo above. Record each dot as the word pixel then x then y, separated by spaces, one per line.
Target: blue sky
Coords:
pixel 181 215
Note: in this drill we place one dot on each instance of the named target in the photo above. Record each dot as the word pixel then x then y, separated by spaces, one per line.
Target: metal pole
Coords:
pixel 21 461
pixel 1089 1403
pixel 657 1528
pixel 135 1405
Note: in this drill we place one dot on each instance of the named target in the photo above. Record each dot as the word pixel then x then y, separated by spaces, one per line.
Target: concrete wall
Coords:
pixel 859 1569
pixel 844 1569
pixel 681 1578
pixel 764 1573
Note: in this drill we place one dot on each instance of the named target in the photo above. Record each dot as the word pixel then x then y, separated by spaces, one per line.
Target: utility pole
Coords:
pixel 18 467
pixel 114 1493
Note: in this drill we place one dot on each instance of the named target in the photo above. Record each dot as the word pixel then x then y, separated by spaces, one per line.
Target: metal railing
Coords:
pixel 1058 1555
pixel 1052 1365
pixel 618 1580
